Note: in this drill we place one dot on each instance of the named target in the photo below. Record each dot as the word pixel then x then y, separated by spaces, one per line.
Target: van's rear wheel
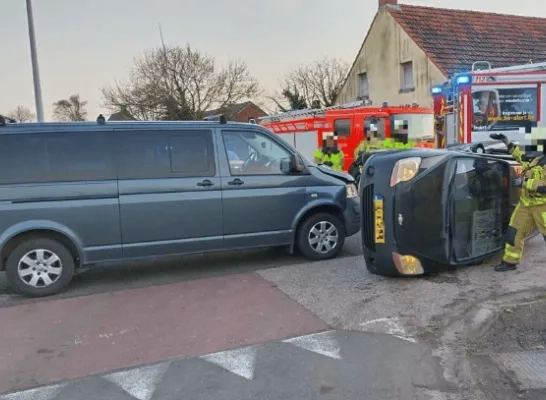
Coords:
pixel 321 237
pixel 40 267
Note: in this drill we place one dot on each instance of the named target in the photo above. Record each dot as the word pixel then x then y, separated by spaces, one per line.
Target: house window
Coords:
pixel 406 75
pixel 363 85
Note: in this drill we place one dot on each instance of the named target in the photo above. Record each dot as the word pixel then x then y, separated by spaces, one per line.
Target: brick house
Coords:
pixel 408 49
pixel 241 112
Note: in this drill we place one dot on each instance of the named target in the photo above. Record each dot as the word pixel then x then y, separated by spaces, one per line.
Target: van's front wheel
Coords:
pixel 40 267
pixel 321 237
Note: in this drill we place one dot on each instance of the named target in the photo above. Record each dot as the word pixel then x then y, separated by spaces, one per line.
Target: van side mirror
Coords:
pixel 292 164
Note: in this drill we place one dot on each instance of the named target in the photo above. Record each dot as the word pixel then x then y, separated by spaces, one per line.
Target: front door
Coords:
pixel 169 190
pixel 260 202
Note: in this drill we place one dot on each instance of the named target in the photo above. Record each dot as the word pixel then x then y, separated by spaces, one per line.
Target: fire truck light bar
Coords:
pixel 463 80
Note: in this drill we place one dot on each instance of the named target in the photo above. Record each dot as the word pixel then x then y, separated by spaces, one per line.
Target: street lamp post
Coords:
pixel 35 68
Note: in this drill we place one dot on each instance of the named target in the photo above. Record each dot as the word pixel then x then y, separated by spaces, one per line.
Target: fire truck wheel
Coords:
pixel 320 237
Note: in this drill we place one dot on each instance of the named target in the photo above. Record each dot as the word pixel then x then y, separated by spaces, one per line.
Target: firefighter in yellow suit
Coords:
pixel 531 209
pixel 329 154
pixel 372 142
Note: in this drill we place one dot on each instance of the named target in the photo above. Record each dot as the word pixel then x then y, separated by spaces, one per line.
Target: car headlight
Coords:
pixel 407 265
pixel 351 191
pixel 405 170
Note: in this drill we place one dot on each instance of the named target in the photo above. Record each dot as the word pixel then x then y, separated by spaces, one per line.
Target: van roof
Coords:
pixel 34 127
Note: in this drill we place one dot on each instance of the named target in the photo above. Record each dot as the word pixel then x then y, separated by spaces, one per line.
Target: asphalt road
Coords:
pixel 197 311
pixel 147 273
pixel 327 365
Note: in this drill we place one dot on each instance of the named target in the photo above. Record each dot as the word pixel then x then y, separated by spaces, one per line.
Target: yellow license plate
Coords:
pixel 379 221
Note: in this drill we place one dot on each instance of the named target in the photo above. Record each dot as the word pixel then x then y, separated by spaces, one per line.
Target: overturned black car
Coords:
pixel 423 210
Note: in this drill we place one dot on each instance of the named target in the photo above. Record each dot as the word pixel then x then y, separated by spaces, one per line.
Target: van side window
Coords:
pixel 56 157
pixel 252 153
pixel 192 155
pixel 156 155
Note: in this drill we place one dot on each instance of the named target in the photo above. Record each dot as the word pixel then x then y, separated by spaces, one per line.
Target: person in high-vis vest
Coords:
pixel 329 154
pixel 372 142
pixel 530 212
pixel 399 137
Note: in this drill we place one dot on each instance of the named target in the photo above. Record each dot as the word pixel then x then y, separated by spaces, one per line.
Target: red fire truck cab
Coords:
pixel 306 129
pixel 470 106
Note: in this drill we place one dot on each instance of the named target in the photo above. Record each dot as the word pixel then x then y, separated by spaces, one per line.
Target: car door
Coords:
pixel 170 197
pixel 260 202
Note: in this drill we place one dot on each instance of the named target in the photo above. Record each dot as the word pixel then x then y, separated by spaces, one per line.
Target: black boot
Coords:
pixel 504 266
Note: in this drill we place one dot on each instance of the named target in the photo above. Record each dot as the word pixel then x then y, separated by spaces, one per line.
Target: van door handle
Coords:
pixel 205 183
pixel 236 182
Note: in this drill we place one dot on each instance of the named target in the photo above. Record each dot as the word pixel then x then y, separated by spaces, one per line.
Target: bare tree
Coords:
pixel 311 84
pixel 71 109
pixel 21 114
pixel 179 83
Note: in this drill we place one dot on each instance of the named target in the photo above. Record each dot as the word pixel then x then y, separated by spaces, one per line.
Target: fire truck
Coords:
pixel 470 106
pixel 306 129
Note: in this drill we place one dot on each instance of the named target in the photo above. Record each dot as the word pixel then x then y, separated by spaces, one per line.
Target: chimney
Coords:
pixel 390 2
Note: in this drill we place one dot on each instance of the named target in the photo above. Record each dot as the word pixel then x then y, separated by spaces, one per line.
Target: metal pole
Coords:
pixel 35 68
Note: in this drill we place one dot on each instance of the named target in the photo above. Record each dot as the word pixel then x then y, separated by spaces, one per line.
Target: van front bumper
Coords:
pixel 352 216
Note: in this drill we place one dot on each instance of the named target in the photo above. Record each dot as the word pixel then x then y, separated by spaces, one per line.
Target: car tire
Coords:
pixel 34 277
pixel 318 232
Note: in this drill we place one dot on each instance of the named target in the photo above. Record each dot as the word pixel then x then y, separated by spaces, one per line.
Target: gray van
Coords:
pixel 76 194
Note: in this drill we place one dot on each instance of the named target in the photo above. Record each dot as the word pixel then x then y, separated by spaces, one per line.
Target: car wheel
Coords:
pixel 321 237
pixel 40 267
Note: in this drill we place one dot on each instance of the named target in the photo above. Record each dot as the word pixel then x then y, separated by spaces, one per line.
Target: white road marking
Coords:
pixel 240 361
pixel 323 343
pixel 42 393
pixel 139 382
pixel 391 326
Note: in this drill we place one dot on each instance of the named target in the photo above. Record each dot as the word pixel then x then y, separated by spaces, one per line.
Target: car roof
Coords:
pixel 47 127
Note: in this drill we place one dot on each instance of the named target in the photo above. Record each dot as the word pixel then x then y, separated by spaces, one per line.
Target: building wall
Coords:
pixel 250 111
pixel 385 48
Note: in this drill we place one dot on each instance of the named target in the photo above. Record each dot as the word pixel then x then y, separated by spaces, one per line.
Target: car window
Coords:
pixel 252 153
pixel 156 155
pixel 57 157
pixel 192 154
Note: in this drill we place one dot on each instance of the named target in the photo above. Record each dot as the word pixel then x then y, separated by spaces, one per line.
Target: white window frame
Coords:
pixel 406 80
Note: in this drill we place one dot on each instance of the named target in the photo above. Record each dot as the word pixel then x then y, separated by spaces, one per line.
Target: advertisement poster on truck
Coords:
pixel 502 108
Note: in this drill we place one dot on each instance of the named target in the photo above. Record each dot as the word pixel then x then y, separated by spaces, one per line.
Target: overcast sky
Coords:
pixel 84 45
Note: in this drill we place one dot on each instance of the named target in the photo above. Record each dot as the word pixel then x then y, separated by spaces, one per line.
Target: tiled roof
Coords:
pixel 230 111
pixel 454 39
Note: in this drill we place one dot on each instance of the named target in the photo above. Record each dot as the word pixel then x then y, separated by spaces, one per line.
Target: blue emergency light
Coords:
pixel 463 80
pixel 436 90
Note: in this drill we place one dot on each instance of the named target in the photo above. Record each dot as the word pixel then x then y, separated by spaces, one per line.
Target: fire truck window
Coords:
pixel 375 126
pixel 342 127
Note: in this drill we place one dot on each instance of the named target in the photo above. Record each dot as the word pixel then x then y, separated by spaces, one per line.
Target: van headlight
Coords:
pixel 405 170
pixel 351 191
pixel 407 265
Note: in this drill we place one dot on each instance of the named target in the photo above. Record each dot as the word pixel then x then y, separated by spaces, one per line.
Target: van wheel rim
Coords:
pixel 40 268
pixel 323 237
